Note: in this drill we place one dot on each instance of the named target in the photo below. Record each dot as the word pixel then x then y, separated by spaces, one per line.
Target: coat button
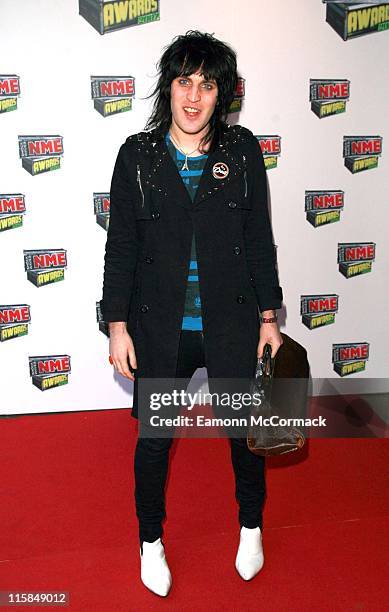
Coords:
pixel 156 214
pixel 240 299
pixel 149 259
pixel 232 204
pixel 144 308
pixel 237 250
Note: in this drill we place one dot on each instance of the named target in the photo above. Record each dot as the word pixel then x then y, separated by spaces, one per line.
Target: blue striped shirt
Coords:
pixel 191 178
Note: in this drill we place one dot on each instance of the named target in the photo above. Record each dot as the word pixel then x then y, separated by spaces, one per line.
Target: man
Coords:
pixel 189 265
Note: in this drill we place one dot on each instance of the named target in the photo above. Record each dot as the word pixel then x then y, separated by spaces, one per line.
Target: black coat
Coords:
pixel 152 219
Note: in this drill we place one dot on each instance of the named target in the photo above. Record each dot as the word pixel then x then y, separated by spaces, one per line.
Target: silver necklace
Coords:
pixel 185 166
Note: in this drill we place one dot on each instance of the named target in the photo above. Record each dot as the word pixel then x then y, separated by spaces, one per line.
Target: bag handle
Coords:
pixel 266 362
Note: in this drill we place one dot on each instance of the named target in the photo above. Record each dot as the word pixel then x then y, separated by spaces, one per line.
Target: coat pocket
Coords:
pixel 236 193
pixel 142 196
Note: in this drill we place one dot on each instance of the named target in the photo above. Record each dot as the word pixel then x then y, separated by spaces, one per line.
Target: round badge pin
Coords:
pixel 220 170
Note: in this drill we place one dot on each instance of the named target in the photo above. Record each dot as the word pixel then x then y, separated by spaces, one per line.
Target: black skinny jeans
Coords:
pixel 151 460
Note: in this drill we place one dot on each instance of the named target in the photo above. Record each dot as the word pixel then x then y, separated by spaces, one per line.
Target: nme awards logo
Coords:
pixel 45 266
pixel 9 92
pixel 40 153
pixel 328 96
pixel 352 19
pixel 318 310
pixel 236 104
pixel 112 95
pixel 49 371
pixel 108 16
pixel 350 357
pixel 12 209
pixel 271 150
pixel 355 258
pixel 361 152
pixel 323 207
pixel 14 320
pixel 101 203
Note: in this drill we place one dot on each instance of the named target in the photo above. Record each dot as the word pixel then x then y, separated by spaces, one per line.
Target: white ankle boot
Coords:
pixel 155 573
pixel 249 558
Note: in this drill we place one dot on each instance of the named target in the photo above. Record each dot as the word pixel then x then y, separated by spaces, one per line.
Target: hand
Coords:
pixel 269 333
pixel 121 349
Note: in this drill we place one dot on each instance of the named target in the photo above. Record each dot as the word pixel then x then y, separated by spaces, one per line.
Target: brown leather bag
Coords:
pixel 282 385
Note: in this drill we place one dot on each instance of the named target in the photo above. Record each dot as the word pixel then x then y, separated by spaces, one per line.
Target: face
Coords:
pixel 193 100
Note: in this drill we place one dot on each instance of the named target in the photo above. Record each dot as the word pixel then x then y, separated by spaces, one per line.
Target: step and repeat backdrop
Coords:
pixel 74 81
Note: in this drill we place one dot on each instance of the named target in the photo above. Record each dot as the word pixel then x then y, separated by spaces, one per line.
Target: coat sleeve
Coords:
pixel 121 245
pixel 260 250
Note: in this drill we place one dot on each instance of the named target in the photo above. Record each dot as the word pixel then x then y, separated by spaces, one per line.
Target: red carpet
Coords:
pixel 68 521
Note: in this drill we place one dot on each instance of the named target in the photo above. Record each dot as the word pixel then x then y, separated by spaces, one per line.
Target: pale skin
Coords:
pixel 193 100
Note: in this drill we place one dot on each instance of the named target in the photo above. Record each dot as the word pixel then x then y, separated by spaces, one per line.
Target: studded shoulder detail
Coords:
pixel 139 137
pixel 239 131
pixel 236 135
pixel 144 141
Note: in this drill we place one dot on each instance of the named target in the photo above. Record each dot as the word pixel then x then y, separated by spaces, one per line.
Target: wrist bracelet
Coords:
pixel 269 319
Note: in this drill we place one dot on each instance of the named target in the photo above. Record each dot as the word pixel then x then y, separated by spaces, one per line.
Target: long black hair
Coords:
pixel 186 55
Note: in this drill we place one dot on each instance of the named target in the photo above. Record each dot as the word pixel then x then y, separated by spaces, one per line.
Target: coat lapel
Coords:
pixel 165 178
pixel 213 178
